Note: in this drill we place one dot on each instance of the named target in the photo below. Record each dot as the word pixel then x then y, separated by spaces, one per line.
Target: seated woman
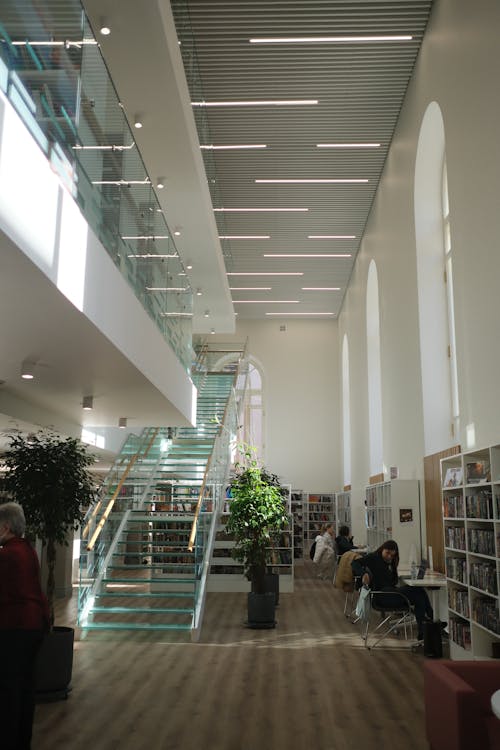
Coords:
pixel 324 555
pixel 379 571
pixel 343 541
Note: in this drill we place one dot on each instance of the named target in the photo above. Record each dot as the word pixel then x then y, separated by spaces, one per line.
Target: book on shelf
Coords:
pixel 453 477
pixel 477 471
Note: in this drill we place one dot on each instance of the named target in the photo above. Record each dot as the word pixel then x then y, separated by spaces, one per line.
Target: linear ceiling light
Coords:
pixel 264 273
pixel 306 255
pixel 103 148
pixel 67 43
pixel 330 39
pixel 212 147
pixel 176 315
pixel 234 210
pixel 320 289
pixel 166 289
pixel 331 236
pixel 122 183
pixel 150 256
pixel 283 314
pixel 145 237
pixel 347 145
pixel 258 103
pixel 266 302
pixel 313 181
pixel 250 288
pixel 244 236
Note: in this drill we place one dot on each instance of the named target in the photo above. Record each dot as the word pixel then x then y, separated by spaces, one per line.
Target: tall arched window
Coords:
pixel 435 286
pixel 346 411
pixel 374 370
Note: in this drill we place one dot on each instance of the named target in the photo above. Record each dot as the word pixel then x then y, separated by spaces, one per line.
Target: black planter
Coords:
pixel 272 583
pixel 261 610
pixel 54 665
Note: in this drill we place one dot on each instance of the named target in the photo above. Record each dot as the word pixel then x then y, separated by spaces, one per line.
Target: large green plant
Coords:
pixel 48 475
pixel 257 515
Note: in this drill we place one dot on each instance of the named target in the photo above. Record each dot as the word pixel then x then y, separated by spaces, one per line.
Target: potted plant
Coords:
pixel 257 515
pixel 49 476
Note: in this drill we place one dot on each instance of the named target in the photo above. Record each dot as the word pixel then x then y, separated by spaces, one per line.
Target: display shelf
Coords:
pixel 471 521
pixel 320 510
pixel 299 522
pixel 393 512
pixel 344 516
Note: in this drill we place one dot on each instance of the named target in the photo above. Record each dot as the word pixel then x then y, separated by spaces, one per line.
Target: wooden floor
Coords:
pixel 309 683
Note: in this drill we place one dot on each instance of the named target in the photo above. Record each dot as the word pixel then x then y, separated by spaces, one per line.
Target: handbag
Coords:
pixel 363 605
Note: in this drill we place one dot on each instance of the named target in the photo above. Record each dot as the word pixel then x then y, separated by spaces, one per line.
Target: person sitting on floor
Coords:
pixel 379 571
pixel 344 542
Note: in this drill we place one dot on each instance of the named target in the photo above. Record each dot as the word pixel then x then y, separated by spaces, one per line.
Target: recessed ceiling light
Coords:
pixel 137 122
pixel 105 30
pixel 234 210
pixel 306 255
pixel 189 265
pixel 331 236
pixel 313 181
pixel 347 145
pixel 177 232
pixel 160 183
pixel 28 370
pixel 199 292
pixel 265 273
pixel 212 330
pixel 258 103
pixel 212 147
pixel 330 39
pixel 266 302
pixel 244 237
pixel 206 314
pixel 321 289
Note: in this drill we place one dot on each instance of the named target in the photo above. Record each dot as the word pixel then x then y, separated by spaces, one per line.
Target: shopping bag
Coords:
pixel 363 605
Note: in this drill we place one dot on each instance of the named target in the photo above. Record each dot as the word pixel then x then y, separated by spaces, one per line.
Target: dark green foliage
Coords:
pixel 48 475
pixel 257 514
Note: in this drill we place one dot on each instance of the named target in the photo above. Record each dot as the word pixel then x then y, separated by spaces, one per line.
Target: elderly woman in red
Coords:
pixel 24 617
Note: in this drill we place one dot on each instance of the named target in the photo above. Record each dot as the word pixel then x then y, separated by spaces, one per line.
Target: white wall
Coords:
pixel 301 373
pixel 458 67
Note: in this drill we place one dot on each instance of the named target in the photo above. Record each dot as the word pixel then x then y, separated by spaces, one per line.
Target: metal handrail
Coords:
pixel 112 500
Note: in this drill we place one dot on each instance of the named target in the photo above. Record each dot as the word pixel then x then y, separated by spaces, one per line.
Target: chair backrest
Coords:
pixel 345 576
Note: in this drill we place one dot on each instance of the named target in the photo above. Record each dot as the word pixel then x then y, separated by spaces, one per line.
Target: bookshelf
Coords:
pixel 344 509
pixel 298 512
pixel 320 510
pixel 393 512
pixel 471 522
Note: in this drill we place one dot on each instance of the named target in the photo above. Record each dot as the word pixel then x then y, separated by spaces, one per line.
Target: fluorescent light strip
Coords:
pixel 285 314
pixel 310 181
pixel 307 255
pixel 264 273
pixel 235 210
pixel 331 236
pixel 320 289
pixel 125 183
pixel 347 145
pixel 259 103
pixel 66 43
pixel 266 302
pixel 103 148
pixel 250 288
pixel 176 315
pixel 145 237
pixel 244 236
pixel 211 147
pixel 330 39
pixel 166 289
pixel 150 256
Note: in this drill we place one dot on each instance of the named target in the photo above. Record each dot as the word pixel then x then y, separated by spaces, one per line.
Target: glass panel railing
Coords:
pixel 52 71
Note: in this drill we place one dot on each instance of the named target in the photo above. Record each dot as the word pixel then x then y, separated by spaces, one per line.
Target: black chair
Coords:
pixel 393 618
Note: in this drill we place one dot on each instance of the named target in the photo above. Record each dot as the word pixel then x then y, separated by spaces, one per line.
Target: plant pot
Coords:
pixel 54 665
pixel 272 583
pixel 261 610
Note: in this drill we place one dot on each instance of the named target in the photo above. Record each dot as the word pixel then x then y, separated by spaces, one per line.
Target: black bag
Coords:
pixel 312 551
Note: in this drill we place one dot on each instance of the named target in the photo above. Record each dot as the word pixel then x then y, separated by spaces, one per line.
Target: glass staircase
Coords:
pixel 147 543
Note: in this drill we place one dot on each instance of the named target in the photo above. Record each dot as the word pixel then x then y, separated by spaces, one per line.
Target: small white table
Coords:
pixel 495 703
pixel 432 582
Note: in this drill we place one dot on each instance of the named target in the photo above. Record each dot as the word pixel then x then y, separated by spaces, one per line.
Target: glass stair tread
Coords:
pixel 154 566
pixel 152 594
pixel 143 610
pixel 140 581
pixel 136 626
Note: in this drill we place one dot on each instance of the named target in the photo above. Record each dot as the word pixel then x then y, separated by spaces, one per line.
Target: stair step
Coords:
pixel 152 566
pixel 143 610
pixel 136 626
pixel 153 594
pixel 139 581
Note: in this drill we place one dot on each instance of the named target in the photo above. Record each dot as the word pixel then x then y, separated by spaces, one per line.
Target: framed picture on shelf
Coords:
pixel 477 471
pixel 453 477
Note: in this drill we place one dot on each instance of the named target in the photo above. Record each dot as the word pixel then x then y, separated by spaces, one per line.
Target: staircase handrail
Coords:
pixel 115 494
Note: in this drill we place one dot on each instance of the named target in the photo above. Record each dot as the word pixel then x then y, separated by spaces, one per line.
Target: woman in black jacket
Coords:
pixel 379 571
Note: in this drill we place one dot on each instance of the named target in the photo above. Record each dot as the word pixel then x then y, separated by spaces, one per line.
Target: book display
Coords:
pixel 393 512
pixel 298 513
pixel 471 523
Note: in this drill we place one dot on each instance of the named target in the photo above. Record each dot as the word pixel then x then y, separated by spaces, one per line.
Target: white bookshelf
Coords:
pixel 299 522
pixel 320 510
pixel 344 517
pixel 393 512
pixel 471 523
